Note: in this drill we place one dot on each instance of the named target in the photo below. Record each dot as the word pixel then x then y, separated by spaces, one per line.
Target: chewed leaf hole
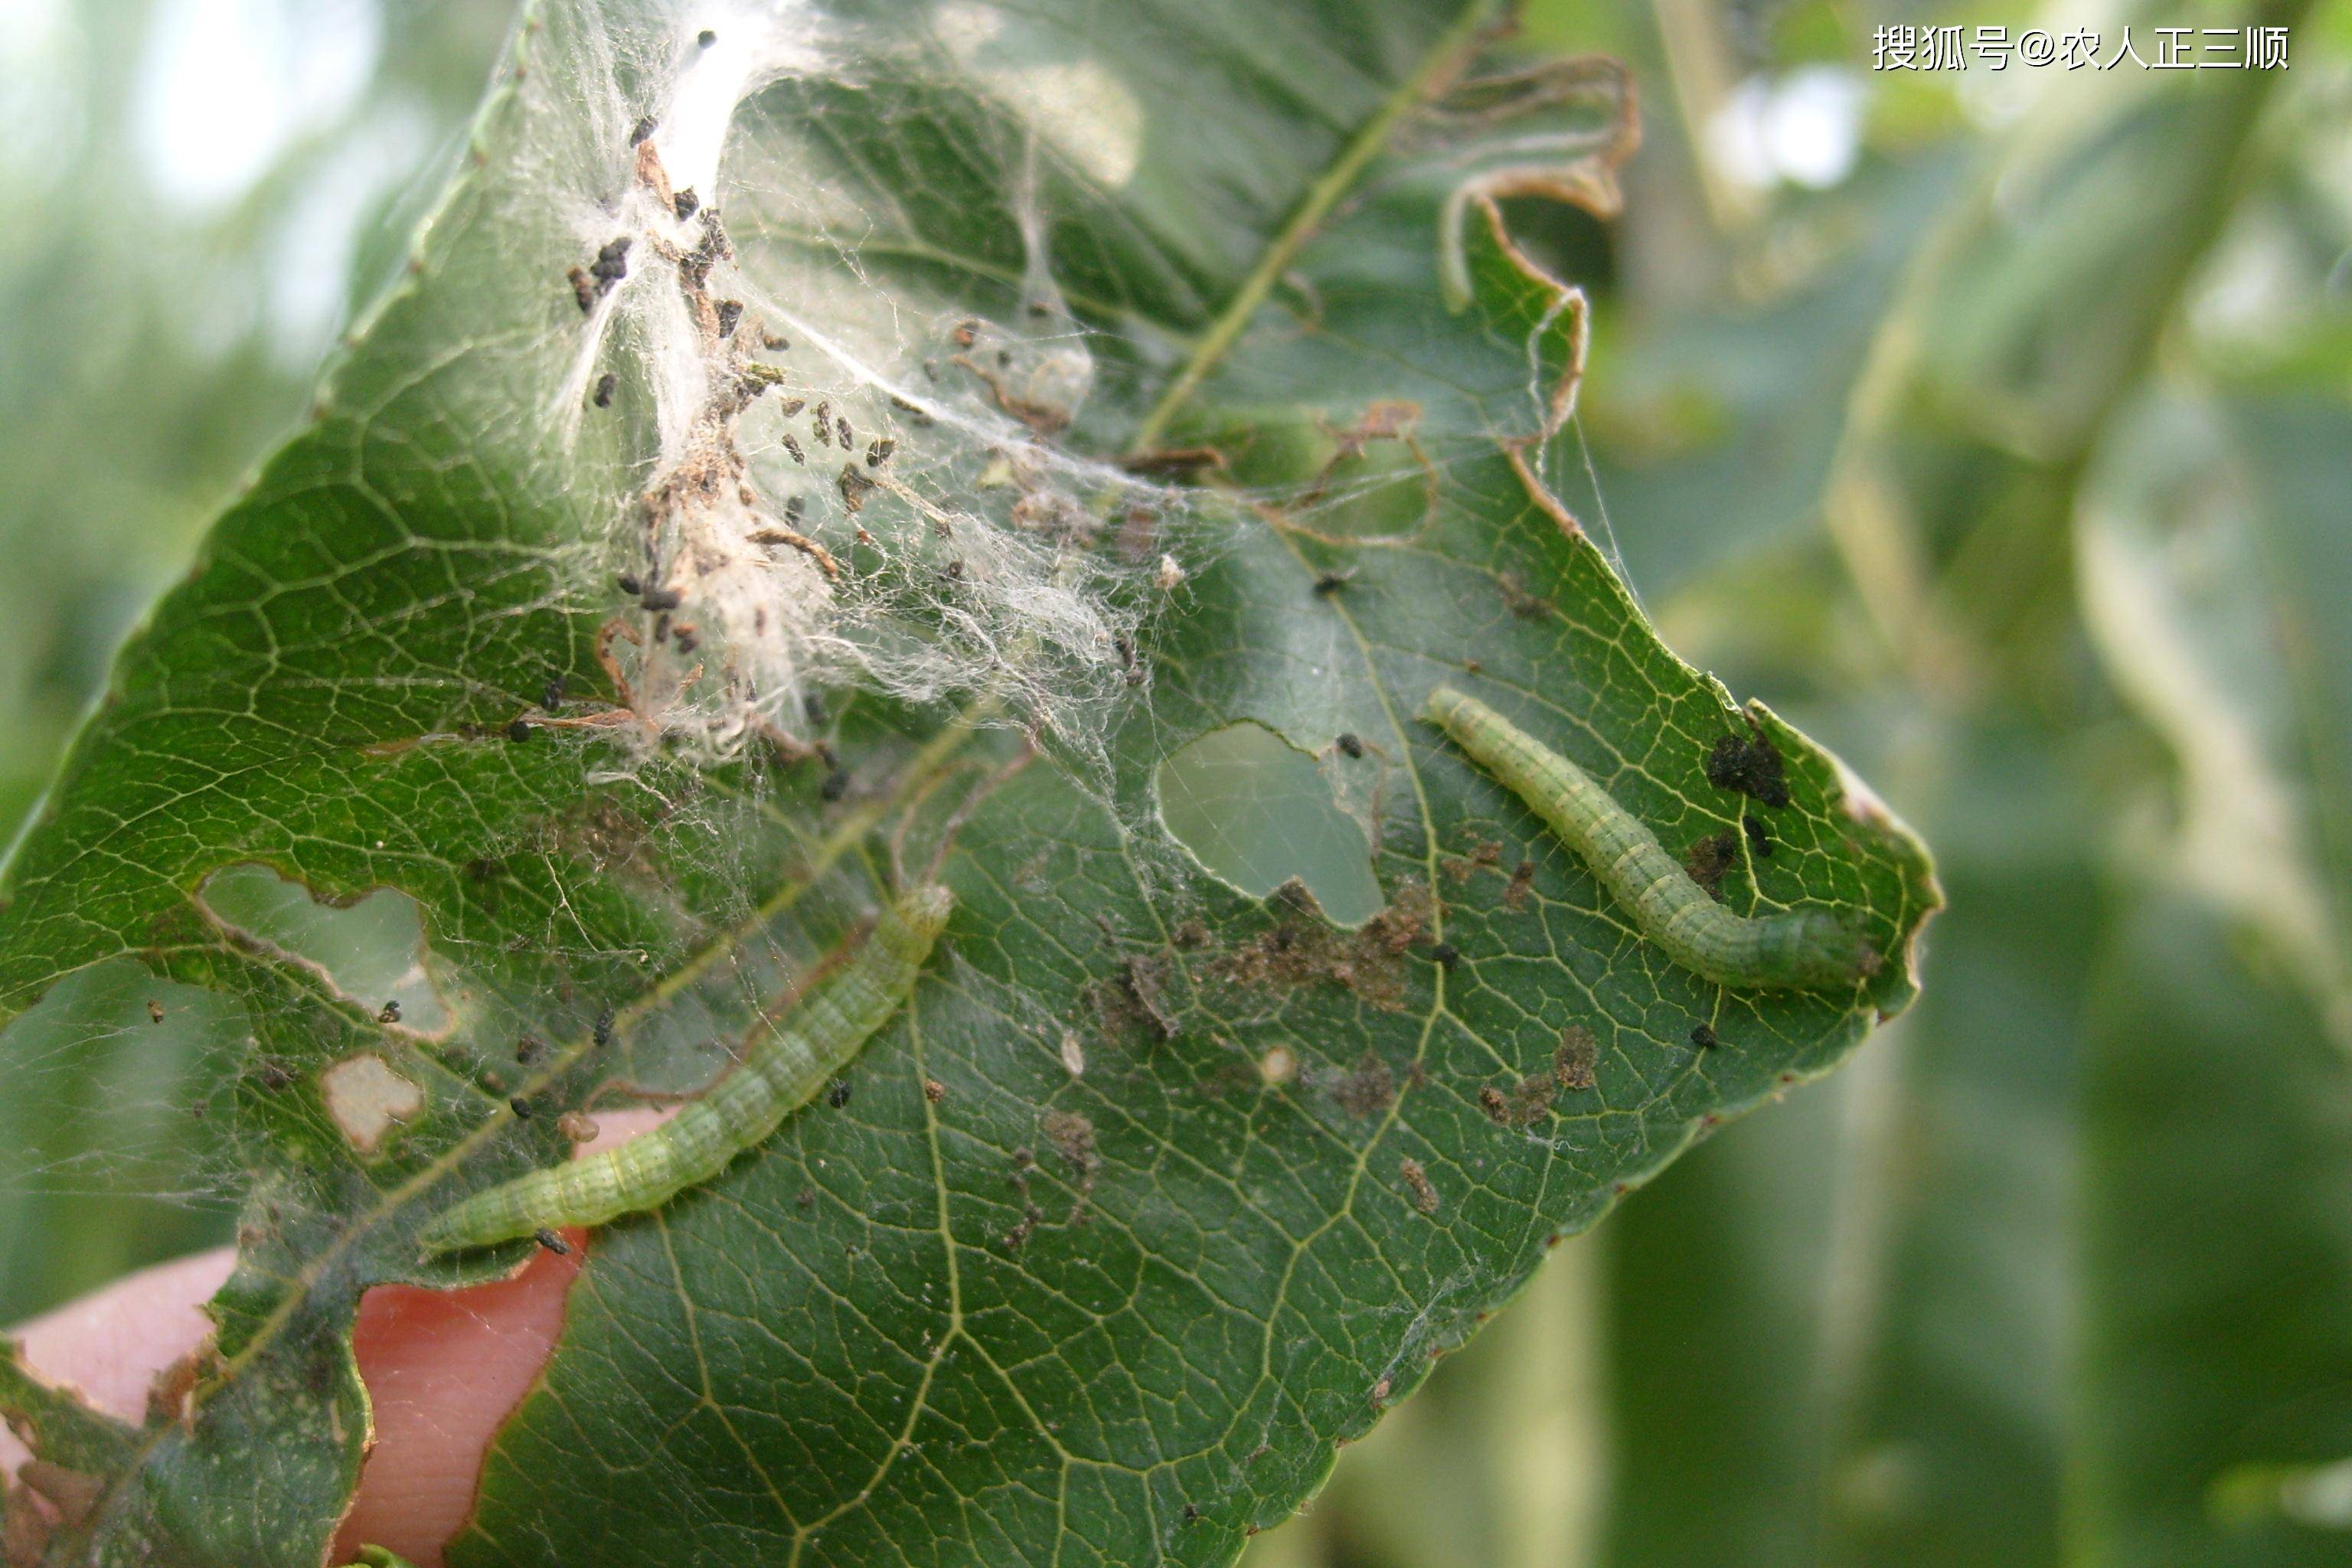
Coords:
pixel 1256 812
pixel 370 950
pixel 368 1099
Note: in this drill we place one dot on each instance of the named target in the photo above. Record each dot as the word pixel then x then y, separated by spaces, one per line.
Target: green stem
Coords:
pixel 1321 198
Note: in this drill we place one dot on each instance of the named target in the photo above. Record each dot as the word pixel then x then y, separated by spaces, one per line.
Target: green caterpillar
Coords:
pixel 1804 950
pixel 810 1046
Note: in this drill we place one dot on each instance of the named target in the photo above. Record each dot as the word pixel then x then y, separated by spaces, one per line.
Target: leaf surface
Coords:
pixel 1157 1190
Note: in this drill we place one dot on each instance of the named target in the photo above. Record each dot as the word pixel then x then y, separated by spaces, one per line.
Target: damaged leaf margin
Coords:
pixel 307 1263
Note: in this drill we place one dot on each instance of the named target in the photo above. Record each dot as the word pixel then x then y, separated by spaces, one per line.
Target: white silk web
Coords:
pixel 843 481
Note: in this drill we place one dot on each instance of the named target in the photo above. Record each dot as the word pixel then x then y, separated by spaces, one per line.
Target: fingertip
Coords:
pixel 109 1345
pixel 444 1370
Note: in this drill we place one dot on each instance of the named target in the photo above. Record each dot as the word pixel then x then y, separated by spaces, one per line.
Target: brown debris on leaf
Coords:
pixel 791 538
pixel 1483 856
pixel 1047 418
pixel 1710 858
pixel 1425 1194
pixel 1146 980
pixel 855 486
pixel 1531 1097
pixel 610 836
pixel 1072 1135
pixel 1018 1237
pixel 170 1396
pixel 1176 463
pixel 1749 765
pixel 1056 518
pixel 1526 605
pixel 653 176
pixel 1576 1063
pixel 1303 947
pixel 1135 1001
pixel 1365 1090
pixel 1523 1104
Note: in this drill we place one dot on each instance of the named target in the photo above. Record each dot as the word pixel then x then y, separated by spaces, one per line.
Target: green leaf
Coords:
pixel 1500 1460
pixel 1715 429
pixel 1718 1281
pixel 2294 450
pixel 2215 1347
pixel 2018 353
pixel 2029 315
pixel 1158 1190
pixel 377 1557
pixel 1957 1378
pixel 2215 1360
pixel 1943 1314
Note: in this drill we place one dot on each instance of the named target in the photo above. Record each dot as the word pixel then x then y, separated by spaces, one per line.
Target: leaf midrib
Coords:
pixel 1210 350
pixel 1436 68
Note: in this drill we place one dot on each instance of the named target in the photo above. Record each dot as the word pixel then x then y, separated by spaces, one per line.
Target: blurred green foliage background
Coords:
pixel 1995 426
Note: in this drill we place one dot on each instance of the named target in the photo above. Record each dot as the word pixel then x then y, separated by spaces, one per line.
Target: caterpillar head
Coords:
pixel 916 919
pixel 1822 951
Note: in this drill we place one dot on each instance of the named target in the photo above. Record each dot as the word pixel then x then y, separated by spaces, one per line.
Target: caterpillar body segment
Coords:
pixel 812 1043
pixel 1802 949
